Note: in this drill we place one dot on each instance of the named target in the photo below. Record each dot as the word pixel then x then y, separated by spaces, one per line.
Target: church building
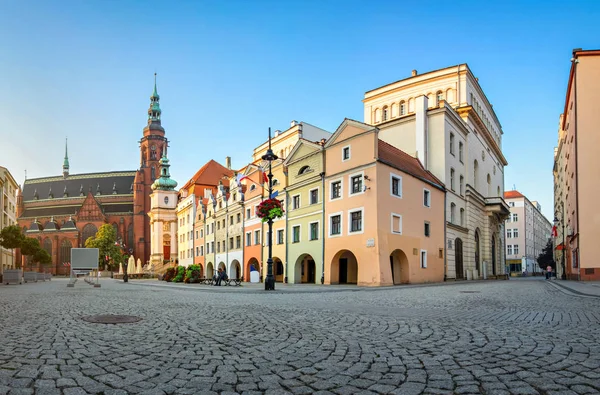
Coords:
pixel 63 211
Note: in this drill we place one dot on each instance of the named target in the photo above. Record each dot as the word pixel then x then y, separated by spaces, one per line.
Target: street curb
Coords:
pixel 571 291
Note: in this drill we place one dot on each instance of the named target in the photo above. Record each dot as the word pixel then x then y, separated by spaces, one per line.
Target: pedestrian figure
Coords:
pixel 549 273
pixel 217 278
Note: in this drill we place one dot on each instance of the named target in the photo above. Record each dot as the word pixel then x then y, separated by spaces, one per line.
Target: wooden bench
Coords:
pixel 233 281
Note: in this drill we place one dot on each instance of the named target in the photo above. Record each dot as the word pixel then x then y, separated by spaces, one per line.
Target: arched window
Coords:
pixel 402 108
pixel 462 217
pixel 48 246
pixel 304 170
pixel 89 230
pixel 498 194
pixel 385 114
pixel 439 96
pixel 130 242
pixel 452 213
pixel 489 185
pixel 452 179
pixel 252 187
pixel 475 174
pixel 377 115
pixel 462 185
pixel 65 251
pixel 394 110
pixel 116 228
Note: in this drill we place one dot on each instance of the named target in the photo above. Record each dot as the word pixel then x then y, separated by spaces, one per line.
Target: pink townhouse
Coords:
pixel 384 212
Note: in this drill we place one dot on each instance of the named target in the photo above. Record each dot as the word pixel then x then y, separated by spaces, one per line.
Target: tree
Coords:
pixel 546 259
pixel 11 237
pixel 105 241
pixel 31 247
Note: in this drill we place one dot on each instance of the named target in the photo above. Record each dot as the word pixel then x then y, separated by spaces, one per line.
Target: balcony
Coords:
pixel 496 206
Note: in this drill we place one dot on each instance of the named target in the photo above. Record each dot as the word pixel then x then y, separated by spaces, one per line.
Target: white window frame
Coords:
pixel 422 261
pixel 341 181
pixel 428 192
pixel 509 250
pixel 509 233
pixel 362 216
pixel 309 196
pixel 452 138
pixel 299 234
pixel 257 232
pixel 399 177
pixel 515 249
pixel 277 236
pixel 309 230
pixel 394 215
pixel 362 189
pixel 516 232
pixel 299 202
pixel 248 240
pixel 349 153
pixel 341 215
pixel 426 223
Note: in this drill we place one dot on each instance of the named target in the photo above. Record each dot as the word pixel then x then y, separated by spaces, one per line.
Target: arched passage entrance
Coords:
pixel 210 270
pixel 399 266
pixel 477 263
pixel 458 259
pixel 252 263
pixel 305 269
pixel 235 270
pixel 344 268
pixel 278 269
pixel 494 254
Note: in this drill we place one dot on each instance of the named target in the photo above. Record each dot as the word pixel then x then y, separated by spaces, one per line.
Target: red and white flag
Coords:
pixel 554 231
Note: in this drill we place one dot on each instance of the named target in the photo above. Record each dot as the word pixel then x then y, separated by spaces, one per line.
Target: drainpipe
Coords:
pixel 243 264
pixel 323 228
pixel 575 62
pixel 227 224
pixel 286 235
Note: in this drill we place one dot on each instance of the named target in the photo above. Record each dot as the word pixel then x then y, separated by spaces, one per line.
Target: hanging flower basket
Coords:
pixel 269 209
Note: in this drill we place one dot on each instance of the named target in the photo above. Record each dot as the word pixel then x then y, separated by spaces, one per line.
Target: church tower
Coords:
pixel 66 162
pixel 153 146
pixel 163 217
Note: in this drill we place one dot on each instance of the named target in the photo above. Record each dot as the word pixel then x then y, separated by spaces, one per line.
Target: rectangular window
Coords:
pixel 336 189
pixel 223 245
pixel 239 217
pixel 296 234
pixel 516 249
pixel 461 185
pixel 230 219
pixel 515 217
pixel 345 153
pixel 231 243
pixel 426 198
pixel 280 236
pixel 397 224
pixel 356 224
pixel 508 233
pixel 423 259
pixel 218 247
pixel 248 239
pixel 218 225
pixel 396 185
pixel 314 231
pixel 452 143
pixel 516 233
pixel 314 196
pixel 247 213
pixel 223 223
pixel 256 237
pixel 295 202
pixel 427 229
pixel 460 151
pixel 212 246
pixel 356 183
pixel 335 227
pixel 197 251
pixel 196 235
pixel 452 179
pixel 201 250
pixel 509 249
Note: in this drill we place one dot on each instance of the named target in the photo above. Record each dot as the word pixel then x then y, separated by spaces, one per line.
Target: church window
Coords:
pixel 153 173
pixel 65 251
pixel 130 242
pixel 48 246
pixel 88 231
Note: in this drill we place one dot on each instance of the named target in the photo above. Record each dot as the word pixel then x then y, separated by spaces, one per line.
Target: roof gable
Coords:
pixel 301 149
pixel 400 160
pixel 347 129
pixel 90 210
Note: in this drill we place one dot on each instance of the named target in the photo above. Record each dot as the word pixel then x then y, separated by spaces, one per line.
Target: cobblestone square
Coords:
pixel 495 337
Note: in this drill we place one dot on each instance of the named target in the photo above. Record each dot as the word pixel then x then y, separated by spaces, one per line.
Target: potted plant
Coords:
pixel 269 209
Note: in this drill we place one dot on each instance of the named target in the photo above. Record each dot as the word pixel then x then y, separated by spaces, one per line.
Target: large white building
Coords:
pixel 8 205
pixel 186 212
pixel 444 119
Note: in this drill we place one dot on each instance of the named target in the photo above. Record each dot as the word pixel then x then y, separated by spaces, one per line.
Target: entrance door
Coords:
pixel 167 252
pixel 477 253
pixel 392 266
pixel 494 256
pixel 311 271
pixel 458 259
pixel 343 270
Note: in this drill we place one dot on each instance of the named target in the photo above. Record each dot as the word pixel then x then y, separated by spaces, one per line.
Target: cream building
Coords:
pixel 8 203
pixel 283 142
pixel 444 119
pixel 163 218
pixel 186 212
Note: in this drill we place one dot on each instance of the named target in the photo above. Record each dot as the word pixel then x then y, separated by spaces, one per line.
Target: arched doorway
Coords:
pixel 278 269
pixel 494 255
pixel 252 263
pixel 210 271
pixel 344 268
pixel 235 270
pixel 477 263
pixel 167 247
pixel 305 270
pixel 458 259
pixel 399 266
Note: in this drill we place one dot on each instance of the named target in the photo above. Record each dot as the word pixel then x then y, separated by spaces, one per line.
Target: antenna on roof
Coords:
pixel 25 174
pixel 514 187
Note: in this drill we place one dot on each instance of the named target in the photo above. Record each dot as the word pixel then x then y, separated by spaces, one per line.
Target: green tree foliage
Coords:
pixel 11 237
pixel 104 241
pixel 545 258
pixel 30 247
pixel 41 256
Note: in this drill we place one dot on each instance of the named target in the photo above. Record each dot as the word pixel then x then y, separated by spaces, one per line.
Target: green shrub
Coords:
pixel 192 274
pixel 180 275
pixel 170 273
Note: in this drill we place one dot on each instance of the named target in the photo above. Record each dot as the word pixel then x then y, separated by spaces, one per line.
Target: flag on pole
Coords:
pixel 554 231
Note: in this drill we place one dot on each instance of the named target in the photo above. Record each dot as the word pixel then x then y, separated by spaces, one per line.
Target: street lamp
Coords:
pixel 270 280
pixel 564 273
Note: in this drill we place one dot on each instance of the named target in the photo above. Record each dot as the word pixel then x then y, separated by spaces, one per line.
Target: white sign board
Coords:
pixel 370 242
pixel 84 259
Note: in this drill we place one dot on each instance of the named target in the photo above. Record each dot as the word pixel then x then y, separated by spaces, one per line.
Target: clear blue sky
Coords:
pixel 227 70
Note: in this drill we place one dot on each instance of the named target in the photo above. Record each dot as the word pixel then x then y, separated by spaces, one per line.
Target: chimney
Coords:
pixel 228 162
pixel 421 131
pixel 293 123
pixel 414 73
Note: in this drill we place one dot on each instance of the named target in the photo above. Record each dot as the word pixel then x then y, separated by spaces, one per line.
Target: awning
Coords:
pixel 560 247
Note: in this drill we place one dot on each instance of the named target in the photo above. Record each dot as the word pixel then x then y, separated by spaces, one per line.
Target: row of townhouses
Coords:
pixel 414 193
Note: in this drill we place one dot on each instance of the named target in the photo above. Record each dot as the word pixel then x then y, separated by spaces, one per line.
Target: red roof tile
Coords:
pixel 403 161
pixel 512 195
pixel 209 174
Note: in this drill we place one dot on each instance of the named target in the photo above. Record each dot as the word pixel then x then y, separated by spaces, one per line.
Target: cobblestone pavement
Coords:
pixel 497 337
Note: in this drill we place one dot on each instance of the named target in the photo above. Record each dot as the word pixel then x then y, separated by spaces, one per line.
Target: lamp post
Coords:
pixel 564 273
pixel 270 280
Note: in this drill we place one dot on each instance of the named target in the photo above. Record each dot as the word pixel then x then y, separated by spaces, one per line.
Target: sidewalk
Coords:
pixel 579 288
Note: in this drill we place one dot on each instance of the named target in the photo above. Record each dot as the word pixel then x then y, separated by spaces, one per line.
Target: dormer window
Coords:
pixel 346 153
pixel 304 170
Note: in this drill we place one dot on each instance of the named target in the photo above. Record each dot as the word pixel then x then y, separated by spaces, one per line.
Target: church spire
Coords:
pixel 164 182
pixel 66 161
pixel 154 110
